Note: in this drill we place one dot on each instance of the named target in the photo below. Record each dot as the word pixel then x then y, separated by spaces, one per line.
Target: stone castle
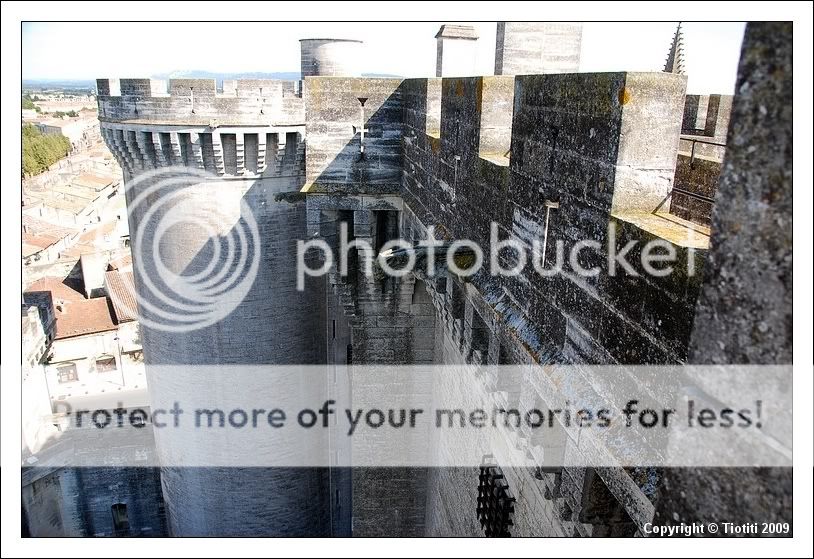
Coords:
pixel 539 146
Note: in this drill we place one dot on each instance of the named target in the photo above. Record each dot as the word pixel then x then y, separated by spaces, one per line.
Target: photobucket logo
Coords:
pixel 506 257
pixel 195 249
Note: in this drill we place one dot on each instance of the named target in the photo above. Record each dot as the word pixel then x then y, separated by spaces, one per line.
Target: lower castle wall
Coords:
pixel 76 502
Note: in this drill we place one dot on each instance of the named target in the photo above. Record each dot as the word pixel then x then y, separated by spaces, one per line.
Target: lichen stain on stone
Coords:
pixel 479 94
pixel 315 94
pixel 624 96
pixel 442 232
pixel 435 144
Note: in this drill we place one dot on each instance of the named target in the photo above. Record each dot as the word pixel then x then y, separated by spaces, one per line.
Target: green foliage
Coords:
pixel 40 151
pixel 28 103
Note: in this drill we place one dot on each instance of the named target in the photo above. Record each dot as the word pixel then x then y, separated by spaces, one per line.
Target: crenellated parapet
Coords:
pixel 198 102
pixel 609 139
pixel 252 128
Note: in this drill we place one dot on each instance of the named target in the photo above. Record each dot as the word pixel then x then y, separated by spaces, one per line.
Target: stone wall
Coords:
pixel 698 175
pixel 701 153
pixel 707 115
pixel 76 502
pixel 335 111
pixel 388 321
pixel 596 155
pixel 606 158
pixel 744 312
pixel 579 170
pixel 537 48
pixel 198 101
pixel 255 145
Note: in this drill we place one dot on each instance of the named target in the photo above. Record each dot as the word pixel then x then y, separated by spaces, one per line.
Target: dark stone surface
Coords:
pixel 76 502
pixel 744 313
pixel 699 175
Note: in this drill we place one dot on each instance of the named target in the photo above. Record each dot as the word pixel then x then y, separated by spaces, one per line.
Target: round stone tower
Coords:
pixel 248 139
pixel 330 57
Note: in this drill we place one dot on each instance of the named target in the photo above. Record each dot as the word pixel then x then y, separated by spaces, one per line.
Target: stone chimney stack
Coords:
pixel 457 51
pixel 537 48
pixel 93 273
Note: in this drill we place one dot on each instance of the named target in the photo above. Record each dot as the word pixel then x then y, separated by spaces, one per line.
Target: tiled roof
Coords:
pixel 39 234
pixel 121 263
pixel 121 289
pixel 37 226
pixel 75 315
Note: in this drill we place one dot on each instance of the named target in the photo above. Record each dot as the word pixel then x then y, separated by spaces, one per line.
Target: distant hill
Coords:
pixel 220 76
pixel 63 85
pixel 88 86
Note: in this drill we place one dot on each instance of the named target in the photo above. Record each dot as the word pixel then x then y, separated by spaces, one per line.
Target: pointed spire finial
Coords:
pixel 675 59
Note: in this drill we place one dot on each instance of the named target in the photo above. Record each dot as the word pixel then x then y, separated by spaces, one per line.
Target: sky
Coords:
pixel 88 50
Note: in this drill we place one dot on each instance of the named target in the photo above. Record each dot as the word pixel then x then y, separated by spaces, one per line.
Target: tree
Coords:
pixel 28 103
pixel 40 151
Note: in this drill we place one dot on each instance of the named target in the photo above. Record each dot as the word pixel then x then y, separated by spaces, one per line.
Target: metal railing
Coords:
pixel 697 141
pixel 691 194
pixel 685 192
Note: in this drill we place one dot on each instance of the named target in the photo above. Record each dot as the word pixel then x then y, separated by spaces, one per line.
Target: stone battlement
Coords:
pixel 563 157
pixel 198 101
pixel 615 135
pixel 600 121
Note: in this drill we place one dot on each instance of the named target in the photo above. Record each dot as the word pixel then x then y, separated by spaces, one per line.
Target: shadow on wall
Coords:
pixel 354 130
pixel 273 324
pixel 566 149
